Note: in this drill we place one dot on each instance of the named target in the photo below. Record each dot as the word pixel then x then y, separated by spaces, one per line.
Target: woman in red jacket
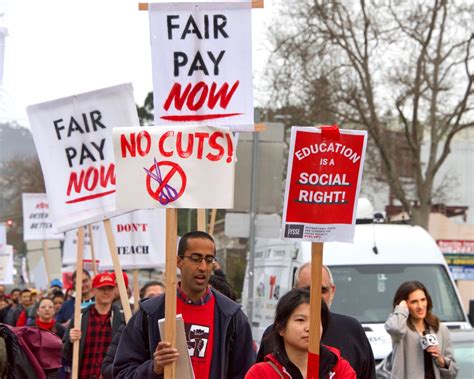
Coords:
pixel 289 359
pixel 45 318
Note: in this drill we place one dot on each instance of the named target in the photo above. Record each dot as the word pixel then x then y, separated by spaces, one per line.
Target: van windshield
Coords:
pixel 366 292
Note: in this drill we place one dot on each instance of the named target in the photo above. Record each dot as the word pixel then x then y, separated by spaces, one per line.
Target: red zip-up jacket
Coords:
pixel 341 370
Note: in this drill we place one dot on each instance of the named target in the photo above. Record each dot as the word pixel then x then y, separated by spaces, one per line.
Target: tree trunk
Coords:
pixel 421 215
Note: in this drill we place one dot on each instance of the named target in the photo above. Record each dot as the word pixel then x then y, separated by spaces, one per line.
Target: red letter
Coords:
pixel 128 146
pixel 95 178
pixel 161 143
pixel 119 228
pixel 107 177
pixel 221 94
pixel 175 95
pixel 201 137
pixel 194 106
pixel 213 144
pixel 74 182
pixel 146 135
pixel 179 145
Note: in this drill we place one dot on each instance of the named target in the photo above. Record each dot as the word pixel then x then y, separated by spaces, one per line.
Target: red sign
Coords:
pixel 324 174
pixel 456 246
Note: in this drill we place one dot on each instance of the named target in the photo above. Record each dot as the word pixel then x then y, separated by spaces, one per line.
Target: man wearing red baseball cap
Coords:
pixel 99 323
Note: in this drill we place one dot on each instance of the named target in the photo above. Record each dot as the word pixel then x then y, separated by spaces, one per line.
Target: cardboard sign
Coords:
pixel 37 224
pixel 73 139
pixel 139 236
pixel 202 63
pixel 6 264
pixel 323 182
pixel 175 167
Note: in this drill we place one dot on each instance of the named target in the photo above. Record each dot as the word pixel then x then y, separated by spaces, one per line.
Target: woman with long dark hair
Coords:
pixel 291 336
pixel 411 320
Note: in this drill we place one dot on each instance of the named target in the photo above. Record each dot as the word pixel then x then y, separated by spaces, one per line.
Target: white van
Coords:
pixel 366 273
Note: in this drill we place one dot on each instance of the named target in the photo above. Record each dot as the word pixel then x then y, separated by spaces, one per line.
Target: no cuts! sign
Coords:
pixel 37 224
pixel 73 139
pixel 202 63
pixel 323 182
pixel 140 237
pixel 174 167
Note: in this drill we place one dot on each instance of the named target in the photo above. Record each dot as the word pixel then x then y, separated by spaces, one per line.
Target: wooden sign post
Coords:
pixel 315 310
pixel 136 291
pixel 170 285
pixel 91 241
pixel 212 223
pixel 46 259
pixel 77 303
pixel 201 220
pixel 118 270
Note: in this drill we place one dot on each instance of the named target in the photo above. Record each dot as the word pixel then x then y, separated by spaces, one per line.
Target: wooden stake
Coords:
pixel 170 284
pixel 77 303
pixel 213 221
pixel 315 310
pixel 46 259
pixel 255 4
pixel 201 220
pixel 91 241
pixel 118 270
pixel 136 291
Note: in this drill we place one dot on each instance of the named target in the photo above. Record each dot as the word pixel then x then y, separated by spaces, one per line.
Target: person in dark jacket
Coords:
pixel 99 323
pixel 289 358
pixel 45 318
pixel 149 290
pixel 343 332
pixel 67 309
pixel 218 332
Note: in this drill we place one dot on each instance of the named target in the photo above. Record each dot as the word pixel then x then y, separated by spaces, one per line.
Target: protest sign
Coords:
pixel 202 63
pixel 37 224
pixel 139 236
pixel 174 166
pixel 323 182
pixel 6 264
pixel 3 235
pixel 73 139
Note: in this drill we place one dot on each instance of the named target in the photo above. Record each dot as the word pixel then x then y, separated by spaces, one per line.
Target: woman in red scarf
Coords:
pixel 45 318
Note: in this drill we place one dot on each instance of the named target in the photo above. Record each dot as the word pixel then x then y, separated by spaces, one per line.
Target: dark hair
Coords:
pixel 15 290
pixel 223 286
pixel 286 306
pixel 404 291
pixel 43 299
pixel 148 285
pixel 183 242
pixel 25 291
pixel 56 294
pixel 84 271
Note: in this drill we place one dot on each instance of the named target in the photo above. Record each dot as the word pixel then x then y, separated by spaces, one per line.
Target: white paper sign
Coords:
pixel 37 224
pixel 140 237
pixel 3 235
pixel 39 274
pixel 202 63
pixel 6 265
pixel 73 139
pixel 174 167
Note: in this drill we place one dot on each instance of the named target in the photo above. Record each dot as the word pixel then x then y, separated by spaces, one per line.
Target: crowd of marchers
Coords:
pixel 37 331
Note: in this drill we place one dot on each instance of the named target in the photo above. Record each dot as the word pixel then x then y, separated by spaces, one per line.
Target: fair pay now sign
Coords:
pixel 323 182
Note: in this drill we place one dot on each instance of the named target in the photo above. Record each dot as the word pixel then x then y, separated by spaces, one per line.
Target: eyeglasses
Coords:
pixel 197 258
pixel 325 289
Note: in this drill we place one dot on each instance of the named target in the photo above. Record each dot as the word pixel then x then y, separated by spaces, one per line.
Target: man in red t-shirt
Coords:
pixel 218 333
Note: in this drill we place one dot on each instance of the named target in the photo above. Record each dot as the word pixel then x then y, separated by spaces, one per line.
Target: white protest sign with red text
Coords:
pixel 139 236
pixel 202 63
pixel 73 139
pixel 174 167
pixel 6 264
pixel 37 224
pixel 323 182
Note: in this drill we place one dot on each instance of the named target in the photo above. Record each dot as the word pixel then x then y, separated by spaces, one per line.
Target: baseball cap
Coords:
pixel 125 278
pixel 56 283
pixel 103 279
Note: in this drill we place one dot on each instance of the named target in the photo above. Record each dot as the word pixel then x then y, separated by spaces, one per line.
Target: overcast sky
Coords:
pixel 57 48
